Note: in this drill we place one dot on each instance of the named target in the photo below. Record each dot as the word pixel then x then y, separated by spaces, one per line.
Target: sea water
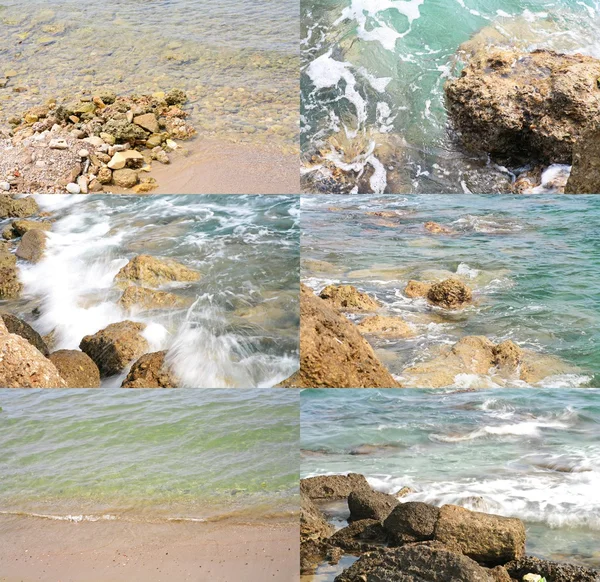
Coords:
pixel 373 75
pixel 239 324
pixel 532 264
pixel 529 454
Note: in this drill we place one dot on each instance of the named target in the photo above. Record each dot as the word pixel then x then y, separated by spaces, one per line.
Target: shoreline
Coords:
pixel 107 551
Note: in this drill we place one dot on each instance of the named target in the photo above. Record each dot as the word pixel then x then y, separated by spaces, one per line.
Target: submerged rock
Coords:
pixel 450 294
pixel 32 246
pixel 19 327
pixel 333 486
pixel 386 326
pixel 333 354
pixel 19 227
pixel 153 272
pixel 150 371
pixel 416 289
pixel 144 298
pixel 77 369
pixel 348 298
pixel 116 346
pixel 436 228
pixel 524 106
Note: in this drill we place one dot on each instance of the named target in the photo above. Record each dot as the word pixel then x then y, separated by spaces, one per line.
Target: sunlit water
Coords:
pixel 237 61
pixel 529 454
pixel 239 324
pixel 147 455
pixel 373 75
pixel 532 264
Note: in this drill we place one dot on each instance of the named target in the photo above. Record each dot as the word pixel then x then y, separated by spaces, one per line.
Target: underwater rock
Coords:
pixel 333 486
pixel 450 294
pixel 150 371
pixel 19 327
pixel 143 298
pixel 32 246
pixel 436 228
pixel 348 298
pixel 386 326
pixel 366 503
pixel 77 369
pixel 116 346
pixel 412 521
pixel 416 289
pixel 153 272
pixel 524 106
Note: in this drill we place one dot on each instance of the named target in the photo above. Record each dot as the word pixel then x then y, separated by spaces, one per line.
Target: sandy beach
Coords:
pixel 110 551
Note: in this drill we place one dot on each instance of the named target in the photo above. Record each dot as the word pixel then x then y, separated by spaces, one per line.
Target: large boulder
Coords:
pixel 150 371
pixel 333 354
pixel 360 536
pixel 313 524
pixel 23 366
pixel 77 369
pixel 18 326
pixel 585 172
pixel 450 294
pixel 524 106
pixel 11 207
pixel 369 504
pixel 116 346
pixel 386 326
pixel 32 246
pixel 424 562
pixel 348 298
pixel 143 298
pixel 552 571
pixel 153 272
pixel 412 521
pixel 18 228
pixel 333 486
pixel 488 539
pixel 416 289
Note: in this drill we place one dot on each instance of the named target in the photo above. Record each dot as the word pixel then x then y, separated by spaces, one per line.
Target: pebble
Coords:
pixel 82 182
pixel 83 153
pixel 58 144
pixel 94 140
pixel 73 188
pixel 4 186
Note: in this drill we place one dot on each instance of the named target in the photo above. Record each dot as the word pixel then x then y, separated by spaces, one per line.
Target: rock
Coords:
pixel 23 366
pixel 19 227
pixel 150 371
pixel 524 106
pixel 585 171
pixel 82 184
pixel 369 504
pixel 450 294
pixel 155 140
pixel 417 289
pixel 120 159
pixel 5 186
pixel 499 574
pixel 17 207
pixel 116 346
pixel 125 132
pixel 424 562
pixel 58 144
pixel 10 286
pixel 360 536
pixel 313 524
pixel 19 327
pixel 7 259
pixel 153 272
pixel 73 188
pixel 146 185
pixel 333 354
pixel 348 298
pixel 507 355
pixel 104 175
pixel 160 155
pixel 175 97
pixel 107 96
pixel 125 178
pixel 412 521
pixel 488 539
pixel 77 369
pixel 32 246
pixel 333 486
pixel 552 571
pixel 143 298
pixel 436 228
pixel 148 121
pixel 403 492
pixel 386 326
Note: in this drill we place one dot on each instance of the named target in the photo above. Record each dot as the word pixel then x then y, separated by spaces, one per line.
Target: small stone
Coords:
pixel 94 140
pixel 160 156
pixel 83 153
pixel 171 144
pixel 5 186
pixel 147 121
pixel 104 175
pixel 109 138
pixel 154 140
pixel 82 182
pixel 120 159
pixel 58 144
pixel 73 188
pixel 95 186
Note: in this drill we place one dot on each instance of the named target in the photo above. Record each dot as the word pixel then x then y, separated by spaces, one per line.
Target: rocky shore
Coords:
pixel 27 360
pixel 406 541
pixel 100 142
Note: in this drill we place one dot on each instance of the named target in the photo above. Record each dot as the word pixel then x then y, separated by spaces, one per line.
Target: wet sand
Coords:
pixel 214 167
pixel 33 549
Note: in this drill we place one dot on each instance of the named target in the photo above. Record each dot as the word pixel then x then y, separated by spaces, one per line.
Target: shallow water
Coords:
pixel 237 61
pixel 531 454
pixel 532 264
pixel 373 75
pixel 136 454
pixel 239 326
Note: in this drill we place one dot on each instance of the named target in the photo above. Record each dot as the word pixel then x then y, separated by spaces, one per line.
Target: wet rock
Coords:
pixel 32 246
pixel 386 326
pixel 175 97
pixel 499 574
pixel 333 354
pixel 19 327
pixel 348 298
pixel 523 106
pixel 77 369
pixel 19 227
pixel 417 289
pixel 125 132
pixel 143 298
pixel 11 207
pixel 359 536
pixel 424 562
pixel 150 371
pixel 313 524
pixel 450 294
pixel 507 355
pixel 116 346
pixel 147 121
pixel 585 171
pixel 153 272
pixel 412 521
pixel 10 285
pixel 369 504
pixel 436 228
pixel 333 486
pixel 552 571
pixel 488 539
pixel 125 178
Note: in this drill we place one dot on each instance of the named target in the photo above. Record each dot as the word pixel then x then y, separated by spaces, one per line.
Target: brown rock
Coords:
pixel 360 536
pixel 436 228
pixel 116 346
pixel 10 286
pixel 104 175
pixel 153 272
pixel 348 298
pixel 369 504
pixel 450 294
pixel 386 326
pixel 417 289
pixel 412 521
pixel 19 227
pixel 585 171
pixel 150 371
pixel 313 524
pixel 125 178
pixel 333 486
pixel 32 246
pixel 500 574
pixel 19 327
pixel 143 298
pixel 333 354
pixel 507 355
pixel 148 121
pixel 77 369
pixel 552 571
pixel 11 207
pixel 486 538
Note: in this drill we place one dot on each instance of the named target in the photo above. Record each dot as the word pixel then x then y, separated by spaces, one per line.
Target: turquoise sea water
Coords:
pixel 532 263
pixel 373 76
pixel 239 325
pixel 531 454
pixel 136 454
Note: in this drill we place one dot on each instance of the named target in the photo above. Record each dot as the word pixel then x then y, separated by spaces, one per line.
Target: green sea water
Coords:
pixel 149 455
pixel 532 263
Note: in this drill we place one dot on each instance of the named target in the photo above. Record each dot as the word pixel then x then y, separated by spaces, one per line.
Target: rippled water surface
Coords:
pixel 372 84
pixel 531 454
pixel 532 263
